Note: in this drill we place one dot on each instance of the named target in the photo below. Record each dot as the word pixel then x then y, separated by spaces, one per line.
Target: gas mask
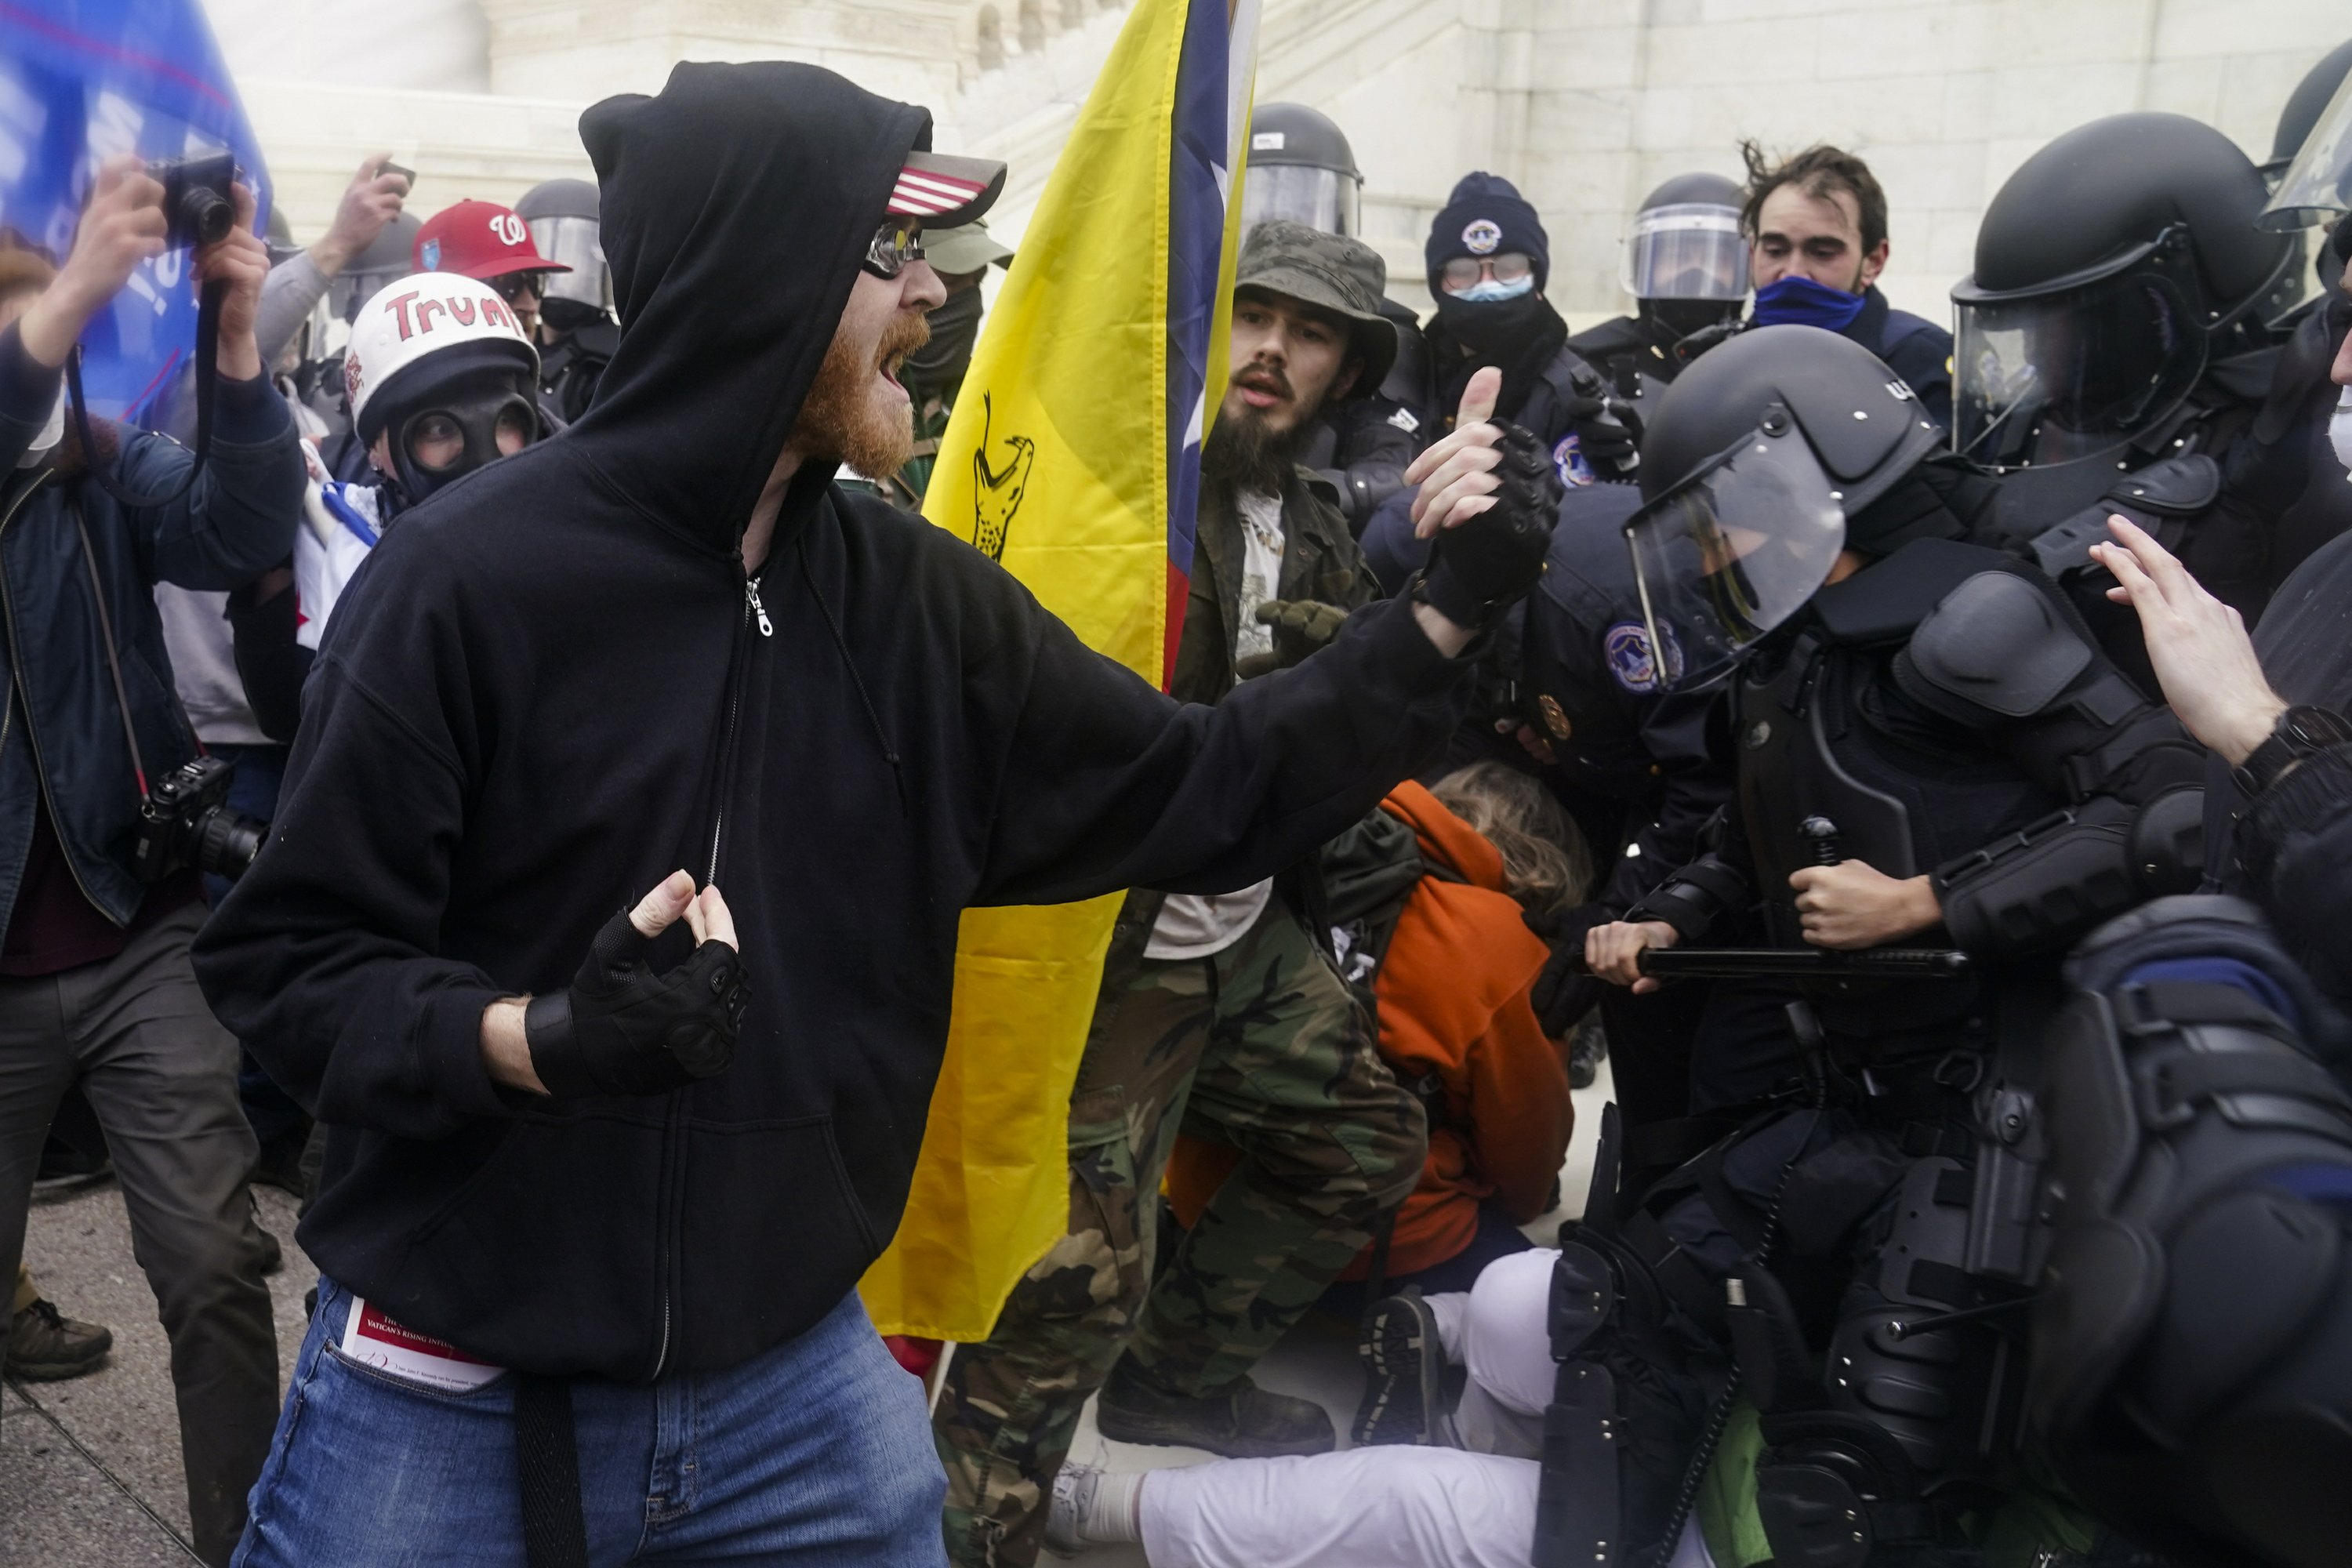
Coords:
pixel 460 428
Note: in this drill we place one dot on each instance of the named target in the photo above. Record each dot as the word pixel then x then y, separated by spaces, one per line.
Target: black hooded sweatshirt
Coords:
pixel 549 687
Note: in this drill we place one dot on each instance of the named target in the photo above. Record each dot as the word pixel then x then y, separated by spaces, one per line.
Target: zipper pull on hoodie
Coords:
pixel 759 611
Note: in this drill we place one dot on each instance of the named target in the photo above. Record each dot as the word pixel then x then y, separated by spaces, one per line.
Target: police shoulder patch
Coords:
pixel 1568 460
pixel 1631 662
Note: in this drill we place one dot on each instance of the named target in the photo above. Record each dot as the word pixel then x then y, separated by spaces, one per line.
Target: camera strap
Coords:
pixel 208 311
pixel 106 635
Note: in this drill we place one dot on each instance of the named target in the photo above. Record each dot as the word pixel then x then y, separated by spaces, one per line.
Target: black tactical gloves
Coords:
pixel 1480 568
pixel 1566 989
pixel 624 1029
pixel 1300 627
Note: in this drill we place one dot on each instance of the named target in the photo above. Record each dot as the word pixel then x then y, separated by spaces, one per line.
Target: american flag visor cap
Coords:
pixel 944 191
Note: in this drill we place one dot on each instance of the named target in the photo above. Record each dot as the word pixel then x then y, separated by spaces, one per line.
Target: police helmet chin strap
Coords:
pixel 207 381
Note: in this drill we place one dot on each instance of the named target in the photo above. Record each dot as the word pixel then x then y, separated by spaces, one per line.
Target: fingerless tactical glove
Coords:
pixel 624 1029
pixel 1481 567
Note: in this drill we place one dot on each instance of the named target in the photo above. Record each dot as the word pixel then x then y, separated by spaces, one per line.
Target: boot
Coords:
pixel 45 1346
pixel 1243 1421
pixel 1405 1374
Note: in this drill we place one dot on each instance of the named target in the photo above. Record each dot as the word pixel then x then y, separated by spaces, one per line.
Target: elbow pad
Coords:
pixel 1694 897
pixel 2043 889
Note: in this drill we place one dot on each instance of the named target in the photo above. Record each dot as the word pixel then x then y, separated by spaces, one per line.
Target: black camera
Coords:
pixel 185 822
pixel 197 207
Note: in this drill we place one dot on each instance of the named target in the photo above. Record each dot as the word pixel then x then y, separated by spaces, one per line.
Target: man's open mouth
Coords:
pixel 1260 394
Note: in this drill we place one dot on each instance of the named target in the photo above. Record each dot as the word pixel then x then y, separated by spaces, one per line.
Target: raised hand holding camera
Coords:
pixel 622 1029
pixel 124 225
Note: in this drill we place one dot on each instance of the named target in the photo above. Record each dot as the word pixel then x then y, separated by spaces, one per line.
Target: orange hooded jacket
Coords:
pixel 1453 1005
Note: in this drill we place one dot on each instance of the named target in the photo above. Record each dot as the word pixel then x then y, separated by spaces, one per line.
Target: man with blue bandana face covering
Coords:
pixel 1816 226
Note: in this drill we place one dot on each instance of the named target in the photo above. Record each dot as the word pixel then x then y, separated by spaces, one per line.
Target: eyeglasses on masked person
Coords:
pixel 1476 277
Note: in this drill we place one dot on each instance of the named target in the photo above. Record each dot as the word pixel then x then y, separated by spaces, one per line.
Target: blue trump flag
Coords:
pixel 81 81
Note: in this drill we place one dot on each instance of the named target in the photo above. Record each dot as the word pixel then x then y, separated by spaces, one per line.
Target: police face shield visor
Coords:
pixel 2318 185
pixel 1732 552
pixel 1688 251
pixel 1319 198
pixel 2053 377
pixel 576 243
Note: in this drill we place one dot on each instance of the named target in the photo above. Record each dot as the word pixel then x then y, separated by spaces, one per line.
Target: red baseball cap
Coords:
pixel 481 239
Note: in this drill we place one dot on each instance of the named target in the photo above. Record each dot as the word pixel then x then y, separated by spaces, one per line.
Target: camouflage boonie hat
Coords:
pixel 1332 273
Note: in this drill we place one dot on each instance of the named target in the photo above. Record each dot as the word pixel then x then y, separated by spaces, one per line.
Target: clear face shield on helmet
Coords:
pixel 2053 377
pixel 1687 251
pixel 1326 199
pixel 2318 185
pixel 576 243
pixel 1734 550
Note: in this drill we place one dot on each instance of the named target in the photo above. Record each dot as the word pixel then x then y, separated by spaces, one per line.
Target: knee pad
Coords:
pixel 1935 1393
pixel 1837 1490
pixel 2192 1352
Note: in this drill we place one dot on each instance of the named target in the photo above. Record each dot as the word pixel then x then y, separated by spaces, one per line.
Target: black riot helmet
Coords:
pixel 1759 465
pixel 1301 168
pixel 2306 104
pixel 2314 173
pixel 566 224
pixel 1684 259
pixel 1686 242
pixel 2111 269
pixel 389 256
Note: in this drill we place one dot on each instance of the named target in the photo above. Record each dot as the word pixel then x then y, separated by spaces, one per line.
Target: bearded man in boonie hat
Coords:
pixel 1228 992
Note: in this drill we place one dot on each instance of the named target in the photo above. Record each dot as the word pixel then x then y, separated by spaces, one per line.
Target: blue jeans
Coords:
pixel 818 1452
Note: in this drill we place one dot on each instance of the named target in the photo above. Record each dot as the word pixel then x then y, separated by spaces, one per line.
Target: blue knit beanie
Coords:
pixel 1486 215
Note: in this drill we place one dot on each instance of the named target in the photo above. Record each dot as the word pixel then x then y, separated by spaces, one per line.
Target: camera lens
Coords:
pixel 205 217
pixel 226 841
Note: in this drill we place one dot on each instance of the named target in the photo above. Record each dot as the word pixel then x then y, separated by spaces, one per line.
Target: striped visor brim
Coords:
pixel 945 191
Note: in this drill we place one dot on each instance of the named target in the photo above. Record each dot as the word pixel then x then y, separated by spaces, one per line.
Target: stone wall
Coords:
pixel 1586 103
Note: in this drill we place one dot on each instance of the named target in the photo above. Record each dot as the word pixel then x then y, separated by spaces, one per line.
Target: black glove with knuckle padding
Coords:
pixel 1480 568
pixel 1566 989
pixel 623 1028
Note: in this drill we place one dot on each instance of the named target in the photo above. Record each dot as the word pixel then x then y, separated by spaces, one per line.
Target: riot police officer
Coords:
pixel 2284 468
pixel 1685 262
pixel 577 332
pixel 2112 347
pixel 1930 748
pixel 1302 168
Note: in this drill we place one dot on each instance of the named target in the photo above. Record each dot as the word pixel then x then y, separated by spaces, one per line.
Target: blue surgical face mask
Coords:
pixel 1487 291
pixel 1798 301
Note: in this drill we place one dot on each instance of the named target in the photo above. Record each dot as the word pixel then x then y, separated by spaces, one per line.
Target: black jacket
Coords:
pixel 1914 347
pixel 547 690
pixel 61 729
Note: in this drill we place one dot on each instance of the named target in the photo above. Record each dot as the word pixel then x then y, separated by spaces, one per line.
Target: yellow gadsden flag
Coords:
pixel 1073 458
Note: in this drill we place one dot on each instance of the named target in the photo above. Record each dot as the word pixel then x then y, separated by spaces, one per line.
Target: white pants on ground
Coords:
pixel 1396 1507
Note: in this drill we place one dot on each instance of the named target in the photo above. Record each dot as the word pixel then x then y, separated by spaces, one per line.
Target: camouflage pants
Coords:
pixel 1262 1047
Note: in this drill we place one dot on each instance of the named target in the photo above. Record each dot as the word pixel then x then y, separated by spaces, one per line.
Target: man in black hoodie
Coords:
pixel 665 637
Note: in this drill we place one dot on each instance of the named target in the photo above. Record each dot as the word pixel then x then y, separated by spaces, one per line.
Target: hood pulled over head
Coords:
pixel 738 203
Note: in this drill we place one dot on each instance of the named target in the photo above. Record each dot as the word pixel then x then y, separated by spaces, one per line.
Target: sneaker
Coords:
pixel 1405 1374
pixel 1075 1486
pixel 47 1346
pixel 1245 1422
pixel 1586 1048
